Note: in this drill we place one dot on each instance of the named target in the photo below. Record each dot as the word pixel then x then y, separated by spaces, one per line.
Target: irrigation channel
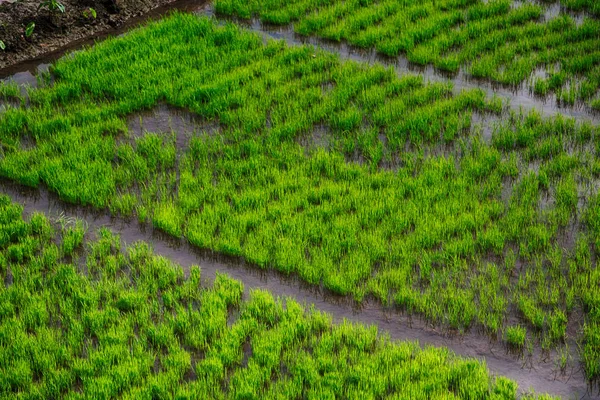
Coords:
pixel 536 371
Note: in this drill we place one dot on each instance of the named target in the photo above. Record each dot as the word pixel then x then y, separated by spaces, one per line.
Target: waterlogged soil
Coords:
pixel 164 119
pixel 56 33
pixel 534 371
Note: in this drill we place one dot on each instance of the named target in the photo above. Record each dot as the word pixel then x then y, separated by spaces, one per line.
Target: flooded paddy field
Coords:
pixel 534 371
pixel 437 206
pixel 104 283
pixel 542 44
pixel 517 96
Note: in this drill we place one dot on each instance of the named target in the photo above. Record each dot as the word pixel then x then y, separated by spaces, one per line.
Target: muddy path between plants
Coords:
pixel 536 371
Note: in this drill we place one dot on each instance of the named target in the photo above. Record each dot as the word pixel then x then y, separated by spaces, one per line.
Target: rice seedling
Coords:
pixel 565 358
pixel 10 91
pixel 515 336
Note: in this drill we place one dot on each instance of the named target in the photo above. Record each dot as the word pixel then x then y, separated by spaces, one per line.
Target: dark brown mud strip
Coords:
pixel 518 97
pixel 77 34
pixel 535 372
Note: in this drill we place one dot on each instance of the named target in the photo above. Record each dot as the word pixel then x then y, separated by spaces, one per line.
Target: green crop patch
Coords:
pixel 102 321
pixel 407 199
pixel 504 41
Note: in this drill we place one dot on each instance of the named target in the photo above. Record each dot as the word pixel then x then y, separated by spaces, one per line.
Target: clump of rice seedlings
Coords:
pixel 564 359
pixel 582 5
pixel 166 218
pixel 124 205
pixel 10 91
pixel 72 236
pixel 541 87
pixel 515 336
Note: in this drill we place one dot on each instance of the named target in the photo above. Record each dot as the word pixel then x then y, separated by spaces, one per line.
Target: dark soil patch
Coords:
pixel 54 30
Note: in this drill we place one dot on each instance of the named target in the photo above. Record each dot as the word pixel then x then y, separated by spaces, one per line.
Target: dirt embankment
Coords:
pixel 55 29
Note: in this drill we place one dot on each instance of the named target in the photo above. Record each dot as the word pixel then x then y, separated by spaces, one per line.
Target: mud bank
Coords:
pixel 56 33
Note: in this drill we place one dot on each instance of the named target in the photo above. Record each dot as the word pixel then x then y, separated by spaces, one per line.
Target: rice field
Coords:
pixel 552 47
pixel 92 318
pixel 450 206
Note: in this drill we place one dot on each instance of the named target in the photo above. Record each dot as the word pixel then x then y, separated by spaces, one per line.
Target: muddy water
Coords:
pixel 28 77
pixel 531 372
pixel 164 119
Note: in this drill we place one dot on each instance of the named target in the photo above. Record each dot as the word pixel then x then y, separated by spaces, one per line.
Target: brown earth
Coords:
pixel 54 30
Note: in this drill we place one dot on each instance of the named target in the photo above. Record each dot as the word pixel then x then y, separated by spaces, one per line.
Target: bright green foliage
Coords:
pixel 10 91
pixel 463 227
pixel 128 324
pixel 494 39
pixel 591 6
pixel 515 336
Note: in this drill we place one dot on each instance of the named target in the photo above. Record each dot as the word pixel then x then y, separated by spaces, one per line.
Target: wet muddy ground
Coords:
pixel 536 371
pixel 54 29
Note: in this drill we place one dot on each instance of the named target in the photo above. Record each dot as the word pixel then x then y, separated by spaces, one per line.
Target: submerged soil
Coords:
pixel 54 30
